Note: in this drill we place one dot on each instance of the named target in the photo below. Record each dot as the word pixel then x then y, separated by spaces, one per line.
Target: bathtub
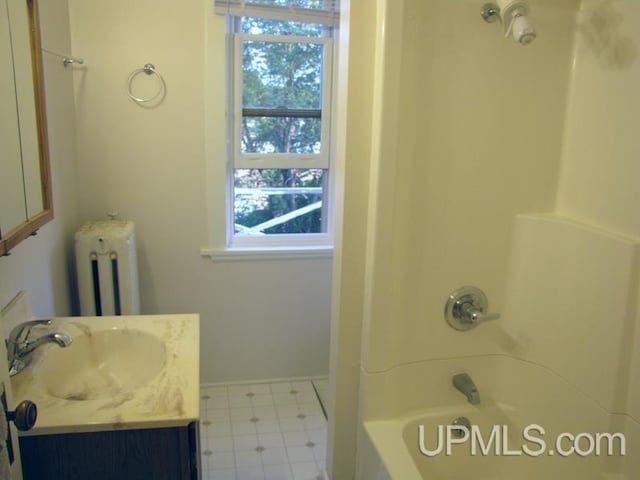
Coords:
pixel 515 395
pixel 397 442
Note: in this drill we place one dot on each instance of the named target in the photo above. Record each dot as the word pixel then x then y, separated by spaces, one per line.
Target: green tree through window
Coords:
pixel 282 107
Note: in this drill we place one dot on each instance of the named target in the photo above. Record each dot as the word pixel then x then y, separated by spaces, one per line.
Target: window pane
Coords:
pixel 281 75
pixel 262 26
pixel 278 201
pixel 280 135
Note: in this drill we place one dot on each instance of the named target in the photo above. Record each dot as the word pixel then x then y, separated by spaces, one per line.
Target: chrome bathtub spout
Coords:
pixel 464 384
pixel 20 348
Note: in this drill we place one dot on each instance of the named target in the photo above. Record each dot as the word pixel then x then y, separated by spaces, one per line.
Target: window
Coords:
pixel 279 124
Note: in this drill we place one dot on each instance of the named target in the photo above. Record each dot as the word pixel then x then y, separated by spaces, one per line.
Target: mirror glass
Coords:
pixel 13 210
pixel 25 190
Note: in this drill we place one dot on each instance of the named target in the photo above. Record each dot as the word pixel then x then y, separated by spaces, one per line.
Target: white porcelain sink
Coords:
pixel 102 364
pixel 138 371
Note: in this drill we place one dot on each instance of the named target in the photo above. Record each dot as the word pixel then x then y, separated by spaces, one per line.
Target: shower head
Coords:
pixel 521 29
pixel 514 15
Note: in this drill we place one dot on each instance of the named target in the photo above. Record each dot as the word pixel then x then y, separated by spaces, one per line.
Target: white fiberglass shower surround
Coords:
pixel 506 167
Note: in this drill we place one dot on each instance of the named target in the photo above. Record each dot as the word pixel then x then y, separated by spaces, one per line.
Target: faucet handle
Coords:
pixel 21 331
pixel 475 315
pixel 467 307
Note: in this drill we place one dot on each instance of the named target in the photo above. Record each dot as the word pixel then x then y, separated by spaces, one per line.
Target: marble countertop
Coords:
pixel 169 398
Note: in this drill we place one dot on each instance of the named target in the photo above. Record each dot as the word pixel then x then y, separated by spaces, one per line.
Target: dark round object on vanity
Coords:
pixel 24 416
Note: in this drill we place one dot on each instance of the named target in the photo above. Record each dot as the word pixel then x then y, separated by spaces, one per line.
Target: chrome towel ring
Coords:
pixel 148 69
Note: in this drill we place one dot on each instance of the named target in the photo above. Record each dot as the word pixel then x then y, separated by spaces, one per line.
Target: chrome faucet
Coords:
pixel 20 348
pixel 463 382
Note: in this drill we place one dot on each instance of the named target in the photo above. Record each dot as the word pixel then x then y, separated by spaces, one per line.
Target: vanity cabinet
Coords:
pixel 170 453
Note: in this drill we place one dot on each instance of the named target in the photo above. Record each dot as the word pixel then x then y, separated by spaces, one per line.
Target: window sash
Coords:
pixel 317 238
pixel 282 160
pixel 282 112
pixel 329 15
pixel 275 242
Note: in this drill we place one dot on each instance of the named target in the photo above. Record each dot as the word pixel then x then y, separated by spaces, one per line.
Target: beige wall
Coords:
pixel 599 181
pixel 260 319
pixel 472 136
pixel 600 171
pixel 41 264
pixel 359 36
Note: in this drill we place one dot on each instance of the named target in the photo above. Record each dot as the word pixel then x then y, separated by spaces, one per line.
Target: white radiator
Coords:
pixel 107 268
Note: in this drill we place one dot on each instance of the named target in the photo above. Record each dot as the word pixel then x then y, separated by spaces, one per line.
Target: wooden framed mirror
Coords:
pixel 26 202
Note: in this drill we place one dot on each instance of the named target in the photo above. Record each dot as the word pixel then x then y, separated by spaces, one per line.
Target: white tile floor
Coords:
pixel 273 431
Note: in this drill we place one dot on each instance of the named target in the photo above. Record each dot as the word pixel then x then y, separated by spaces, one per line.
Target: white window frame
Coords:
pixel 238 160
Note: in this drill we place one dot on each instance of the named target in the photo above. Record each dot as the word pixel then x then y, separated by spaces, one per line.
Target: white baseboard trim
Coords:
pixel 264 380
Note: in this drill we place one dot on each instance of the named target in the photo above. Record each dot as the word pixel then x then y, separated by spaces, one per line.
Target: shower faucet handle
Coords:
pixel 467 307
pixel 473 314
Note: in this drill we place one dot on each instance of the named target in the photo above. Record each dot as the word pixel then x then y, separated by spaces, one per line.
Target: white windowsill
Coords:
pixel 239 254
